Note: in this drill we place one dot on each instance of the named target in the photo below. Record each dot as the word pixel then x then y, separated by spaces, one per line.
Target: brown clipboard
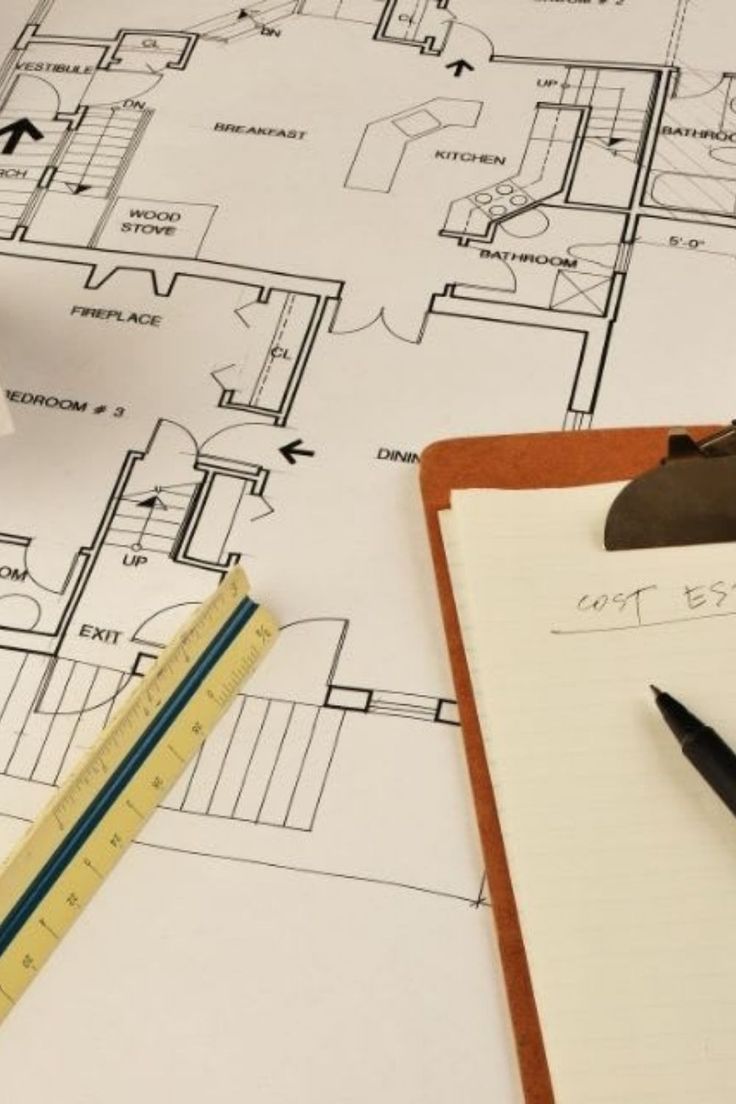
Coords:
pixel 517 462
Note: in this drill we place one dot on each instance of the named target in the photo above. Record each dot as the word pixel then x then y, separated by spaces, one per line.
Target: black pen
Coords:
pixel 708 753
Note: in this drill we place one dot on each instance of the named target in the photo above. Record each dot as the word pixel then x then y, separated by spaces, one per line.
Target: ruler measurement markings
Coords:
pixel 88 820
pixel 28 952
pixel 110 802
pixel 80 787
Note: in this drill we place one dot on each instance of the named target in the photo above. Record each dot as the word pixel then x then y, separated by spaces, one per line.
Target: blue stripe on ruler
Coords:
pixel 150 738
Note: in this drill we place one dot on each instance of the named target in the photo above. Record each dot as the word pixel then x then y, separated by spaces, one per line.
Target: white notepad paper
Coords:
pixel 622 859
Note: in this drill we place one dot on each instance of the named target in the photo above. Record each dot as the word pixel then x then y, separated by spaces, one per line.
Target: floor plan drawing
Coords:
pixel 253 259
pixel 384 141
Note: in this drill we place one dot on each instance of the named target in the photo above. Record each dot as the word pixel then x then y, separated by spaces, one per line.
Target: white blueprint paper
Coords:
pixel 252 260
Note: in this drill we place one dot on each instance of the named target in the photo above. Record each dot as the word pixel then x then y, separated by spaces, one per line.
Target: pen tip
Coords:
pixel 655 689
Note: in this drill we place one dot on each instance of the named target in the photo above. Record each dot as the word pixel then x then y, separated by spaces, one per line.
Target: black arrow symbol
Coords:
pixel 292 450
pixel 16 131
pixel 243 13
pixel 459 66
pixel 78 189
pixel 152 503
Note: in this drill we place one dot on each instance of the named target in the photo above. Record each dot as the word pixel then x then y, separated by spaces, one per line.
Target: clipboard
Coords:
pixel 518 462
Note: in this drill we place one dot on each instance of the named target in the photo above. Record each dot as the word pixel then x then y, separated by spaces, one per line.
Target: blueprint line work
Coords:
pixel 253 260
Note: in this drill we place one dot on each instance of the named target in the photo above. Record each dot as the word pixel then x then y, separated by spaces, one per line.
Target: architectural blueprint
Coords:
pixel 252 260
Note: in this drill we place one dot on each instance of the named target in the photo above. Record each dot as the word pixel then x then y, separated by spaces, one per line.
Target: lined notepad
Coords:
pixel 623 861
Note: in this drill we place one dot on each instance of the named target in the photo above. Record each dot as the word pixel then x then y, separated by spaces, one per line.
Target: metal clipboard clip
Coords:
pixel 689 499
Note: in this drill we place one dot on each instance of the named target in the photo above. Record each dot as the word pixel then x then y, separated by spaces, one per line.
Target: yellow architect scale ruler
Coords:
pixel 76 841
